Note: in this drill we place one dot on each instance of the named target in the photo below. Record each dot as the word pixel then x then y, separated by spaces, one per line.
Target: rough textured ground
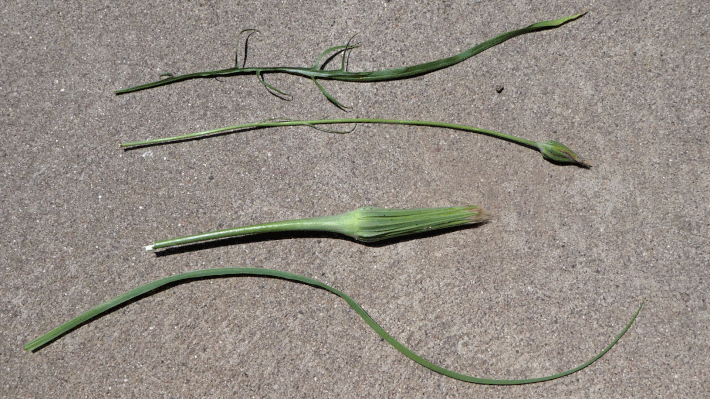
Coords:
pixel 561 268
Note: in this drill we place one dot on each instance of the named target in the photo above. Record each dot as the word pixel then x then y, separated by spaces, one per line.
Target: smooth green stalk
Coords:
pixel 317 71
pixel 551 150
pixel 226 272
pixel 366 224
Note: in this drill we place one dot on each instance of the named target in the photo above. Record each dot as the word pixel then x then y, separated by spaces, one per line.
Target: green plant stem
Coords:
pixel 311 123
pixel 310 224
pixel 342 74
pixel 569 157
pixel 226 272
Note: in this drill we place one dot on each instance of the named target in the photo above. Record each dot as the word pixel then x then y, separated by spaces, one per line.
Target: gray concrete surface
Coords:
pixel 550 281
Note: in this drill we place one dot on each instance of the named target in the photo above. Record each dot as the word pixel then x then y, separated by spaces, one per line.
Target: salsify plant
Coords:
pixel 367 224
pixel 551 150
pixel 318 71
pixel 147 289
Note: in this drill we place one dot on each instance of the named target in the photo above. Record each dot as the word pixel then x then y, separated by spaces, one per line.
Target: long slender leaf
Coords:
pixel 226 272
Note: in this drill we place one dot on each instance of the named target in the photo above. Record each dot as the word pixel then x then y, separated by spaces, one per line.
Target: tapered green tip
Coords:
pixel 376 224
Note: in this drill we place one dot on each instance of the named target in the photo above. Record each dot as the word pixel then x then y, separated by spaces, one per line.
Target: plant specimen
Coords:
pixel 365 224
pixel 550 150
pixel 318 71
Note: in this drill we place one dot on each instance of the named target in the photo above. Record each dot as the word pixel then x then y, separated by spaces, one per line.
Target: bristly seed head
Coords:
pixel 376 224
pixel 558 152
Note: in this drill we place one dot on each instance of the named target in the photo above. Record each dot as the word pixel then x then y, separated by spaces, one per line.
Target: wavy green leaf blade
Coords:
pixel 226 272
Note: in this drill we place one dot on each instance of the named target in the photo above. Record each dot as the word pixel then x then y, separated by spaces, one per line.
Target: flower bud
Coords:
pixel 558 152
pixel 375 224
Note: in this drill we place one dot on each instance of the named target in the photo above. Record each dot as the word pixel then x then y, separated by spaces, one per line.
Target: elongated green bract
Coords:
pixel 226 272
pixel 317 72
pixel 551 150
pixel 367 224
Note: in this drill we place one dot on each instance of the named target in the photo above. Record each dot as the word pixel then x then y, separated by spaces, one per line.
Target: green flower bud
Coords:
pixel 558 152
pixel 376 224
